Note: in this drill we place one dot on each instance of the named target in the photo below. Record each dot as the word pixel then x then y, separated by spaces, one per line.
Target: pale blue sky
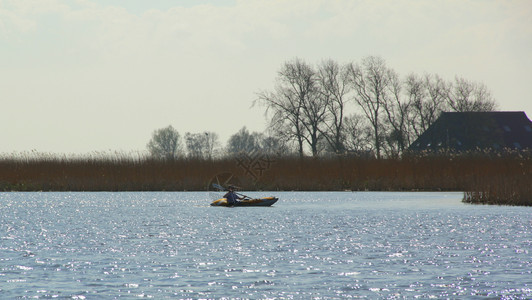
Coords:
pixel 90 75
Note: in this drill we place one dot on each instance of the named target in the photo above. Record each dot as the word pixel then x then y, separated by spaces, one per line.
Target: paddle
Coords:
pixel 218 187
pixel 221 188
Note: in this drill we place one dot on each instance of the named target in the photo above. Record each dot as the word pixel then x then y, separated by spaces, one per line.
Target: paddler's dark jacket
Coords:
pixel 231 197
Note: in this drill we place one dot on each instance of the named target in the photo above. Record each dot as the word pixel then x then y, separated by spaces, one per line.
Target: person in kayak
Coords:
pixel 231 196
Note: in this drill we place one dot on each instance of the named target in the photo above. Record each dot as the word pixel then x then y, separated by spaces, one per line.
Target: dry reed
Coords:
pixel 489 178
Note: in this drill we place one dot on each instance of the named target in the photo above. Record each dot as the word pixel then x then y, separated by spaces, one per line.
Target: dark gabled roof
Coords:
pixel 463 131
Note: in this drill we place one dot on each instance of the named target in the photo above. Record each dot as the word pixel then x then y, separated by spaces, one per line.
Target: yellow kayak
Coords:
pixel 266 201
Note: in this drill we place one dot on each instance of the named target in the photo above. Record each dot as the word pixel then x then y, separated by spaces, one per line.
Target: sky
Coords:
pixel 78 76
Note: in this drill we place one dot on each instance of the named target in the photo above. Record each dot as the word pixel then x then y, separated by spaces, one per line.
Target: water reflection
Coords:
pixel 329 245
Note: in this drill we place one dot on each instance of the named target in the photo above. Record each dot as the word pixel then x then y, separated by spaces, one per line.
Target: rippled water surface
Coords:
pixel 308 245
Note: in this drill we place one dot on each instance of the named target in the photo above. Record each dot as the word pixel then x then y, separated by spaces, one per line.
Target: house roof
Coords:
pixel 463 131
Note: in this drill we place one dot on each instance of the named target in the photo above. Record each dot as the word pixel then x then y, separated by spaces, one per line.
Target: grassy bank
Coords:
pixel 486 178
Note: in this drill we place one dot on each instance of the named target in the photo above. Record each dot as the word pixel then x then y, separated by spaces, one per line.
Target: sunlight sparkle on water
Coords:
pixel 328 245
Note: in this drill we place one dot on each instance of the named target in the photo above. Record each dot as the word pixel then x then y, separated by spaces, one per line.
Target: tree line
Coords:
pixel 167 143
pixel 364 108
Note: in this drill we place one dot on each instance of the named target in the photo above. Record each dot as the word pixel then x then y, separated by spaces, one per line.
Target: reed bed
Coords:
pixel 490 178
pixel 104 173
pixel 509 182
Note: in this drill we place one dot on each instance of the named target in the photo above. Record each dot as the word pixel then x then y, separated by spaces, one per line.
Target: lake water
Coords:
pixel 308 245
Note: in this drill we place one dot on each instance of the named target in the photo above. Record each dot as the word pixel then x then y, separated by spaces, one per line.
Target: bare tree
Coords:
pixel 334 85
pixel 427 97
pixel 370 82
pixel 195 145
pixel 164 143
pixel 243 141
pixel 436 91
pixel 250 142
pixel 212 143
pixel 358 135
pixel 416 94
pixel 201 145
pixel 397 114
pixel 294 104
pixel 465 95
pixel 314 115
pixel 272 145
